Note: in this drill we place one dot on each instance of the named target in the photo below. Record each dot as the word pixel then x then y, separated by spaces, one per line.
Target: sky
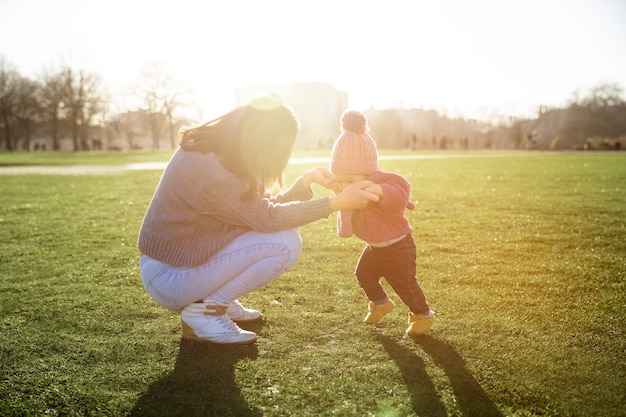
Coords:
pixel 465 58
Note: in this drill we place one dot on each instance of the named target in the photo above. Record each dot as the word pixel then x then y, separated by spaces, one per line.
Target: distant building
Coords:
pixel 318 107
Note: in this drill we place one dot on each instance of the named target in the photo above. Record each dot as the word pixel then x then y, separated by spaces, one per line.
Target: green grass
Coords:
pixel 522 256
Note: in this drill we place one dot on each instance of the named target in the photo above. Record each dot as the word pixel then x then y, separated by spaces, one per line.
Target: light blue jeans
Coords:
pixel 249 262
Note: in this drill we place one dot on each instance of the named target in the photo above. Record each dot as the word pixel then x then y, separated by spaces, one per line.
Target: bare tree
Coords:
pixel 169 107
pixel 82 93
pixel 601 113
pixel 9 80
pixel 18 106
pixel 160 93
pixel 605 107
pixel 27 108
pixel 51 101
pixel 128 124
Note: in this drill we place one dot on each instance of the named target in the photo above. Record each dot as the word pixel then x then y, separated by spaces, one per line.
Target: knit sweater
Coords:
pixel 380 221
pixel 198 208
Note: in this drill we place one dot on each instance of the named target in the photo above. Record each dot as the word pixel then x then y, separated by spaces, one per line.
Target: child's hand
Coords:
pixel 321 176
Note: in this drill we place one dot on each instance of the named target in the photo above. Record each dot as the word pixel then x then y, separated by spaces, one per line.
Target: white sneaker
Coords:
pixel 208 322
pixel 239 313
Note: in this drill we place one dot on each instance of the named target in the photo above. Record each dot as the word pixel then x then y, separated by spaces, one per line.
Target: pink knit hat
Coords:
pixel 354 151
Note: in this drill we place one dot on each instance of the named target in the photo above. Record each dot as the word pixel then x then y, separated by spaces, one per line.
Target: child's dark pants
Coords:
pixel 397 264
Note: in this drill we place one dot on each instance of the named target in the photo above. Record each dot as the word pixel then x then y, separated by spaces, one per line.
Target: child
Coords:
pixel 390 250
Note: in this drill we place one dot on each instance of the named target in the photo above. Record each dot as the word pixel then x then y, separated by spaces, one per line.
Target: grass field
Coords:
pixel 522 256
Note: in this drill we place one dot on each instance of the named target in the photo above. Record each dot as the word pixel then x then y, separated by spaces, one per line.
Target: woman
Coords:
pixel 213 233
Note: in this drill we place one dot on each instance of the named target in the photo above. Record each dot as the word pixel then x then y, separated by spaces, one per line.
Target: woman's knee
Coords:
pixel 293 242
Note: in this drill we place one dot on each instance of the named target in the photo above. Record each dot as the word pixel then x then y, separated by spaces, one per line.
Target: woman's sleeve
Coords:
pixel 297 192
pixel 223 201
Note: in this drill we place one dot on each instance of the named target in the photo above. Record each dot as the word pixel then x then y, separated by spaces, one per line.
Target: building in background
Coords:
pixel 318 107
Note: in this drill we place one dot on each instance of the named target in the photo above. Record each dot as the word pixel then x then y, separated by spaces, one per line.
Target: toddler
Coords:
pixel 390 251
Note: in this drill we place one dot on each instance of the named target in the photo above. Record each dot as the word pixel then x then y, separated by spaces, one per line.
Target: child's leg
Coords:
pixel 368 277
pixel 399 263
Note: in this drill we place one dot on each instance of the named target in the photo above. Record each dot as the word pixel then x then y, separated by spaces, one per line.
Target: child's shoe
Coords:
pixel 420 323
pixel 377 312
pixel 208 322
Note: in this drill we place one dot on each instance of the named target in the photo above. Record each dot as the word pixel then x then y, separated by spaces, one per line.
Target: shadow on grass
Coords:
pixel 201 384
pixel 470 398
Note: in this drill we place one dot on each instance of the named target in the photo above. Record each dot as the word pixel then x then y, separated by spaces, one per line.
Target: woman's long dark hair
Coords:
pixel 254 140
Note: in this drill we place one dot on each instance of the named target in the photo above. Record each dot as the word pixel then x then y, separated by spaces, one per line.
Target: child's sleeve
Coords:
pixel 395 194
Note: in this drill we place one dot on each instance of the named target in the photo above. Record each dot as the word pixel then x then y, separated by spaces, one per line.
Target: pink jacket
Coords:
pixel 384 220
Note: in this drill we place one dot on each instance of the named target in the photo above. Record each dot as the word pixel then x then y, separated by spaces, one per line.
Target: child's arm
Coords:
pixel 393 190
pixel 395 197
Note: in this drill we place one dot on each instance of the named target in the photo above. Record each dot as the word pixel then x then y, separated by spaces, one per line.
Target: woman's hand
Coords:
pixel 376 189
pixel 321 176
pixel 356 196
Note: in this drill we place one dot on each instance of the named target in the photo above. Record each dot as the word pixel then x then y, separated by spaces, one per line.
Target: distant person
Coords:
pixel 213 233
pixel 390 250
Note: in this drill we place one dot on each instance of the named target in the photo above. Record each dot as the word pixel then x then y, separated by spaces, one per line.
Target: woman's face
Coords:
pixel 344 180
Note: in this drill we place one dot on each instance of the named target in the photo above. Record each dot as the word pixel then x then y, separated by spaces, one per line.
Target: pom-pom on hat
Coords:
pixel 354 151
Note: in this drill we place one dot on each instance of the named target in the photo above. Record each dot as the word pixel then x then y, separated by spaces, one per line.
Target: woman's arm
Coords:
pixel 321 176
pixel 355 196
pixel 222 200
pixel 301 190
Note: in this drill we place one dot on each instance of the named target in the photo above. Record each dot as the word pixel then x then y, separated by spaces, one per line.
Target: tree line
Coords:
pixel 66 102
pixel 595 120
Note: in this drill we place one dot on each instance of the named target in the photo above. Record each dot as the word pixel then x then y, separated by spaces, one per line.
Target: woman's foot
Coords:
pixel 240 314
pixel 208 322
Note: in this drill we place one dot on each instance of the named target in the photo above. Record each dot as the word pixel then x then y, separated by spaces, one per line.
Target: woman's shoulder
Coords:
pixel 197 161
pixel 198 170
pixel 183 155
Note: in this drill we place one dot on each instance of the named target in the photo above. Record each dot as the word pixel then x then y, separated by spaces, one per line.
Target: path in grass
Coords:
pixel 140 166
